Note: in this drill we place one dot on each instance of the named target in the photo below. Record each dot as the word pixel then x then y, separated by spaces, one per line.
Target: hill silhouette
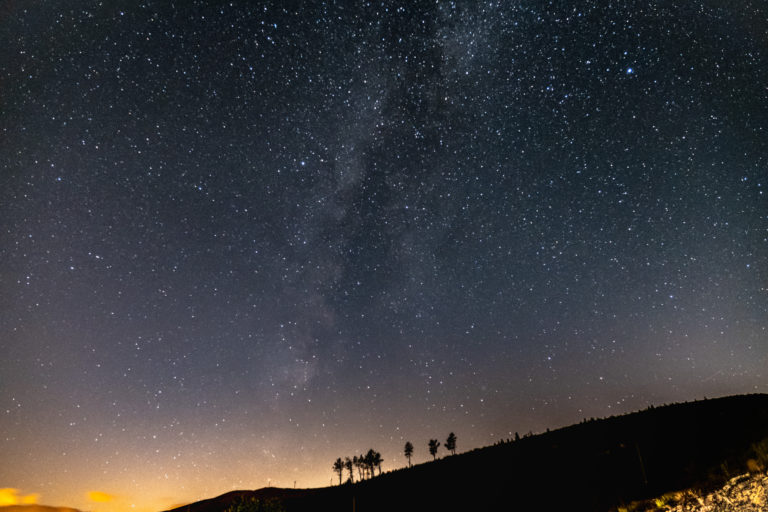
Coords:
pixel 595 465
pixel 36 508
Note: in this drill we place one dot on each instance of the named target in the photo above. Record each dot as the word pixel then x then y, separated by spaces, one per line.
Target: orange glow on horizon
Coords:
pixel 100 497
pixel 10 496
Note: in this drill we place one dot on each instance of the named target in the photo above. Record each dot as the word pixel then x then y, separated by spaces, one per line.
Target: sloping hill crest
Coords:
pixel 595 465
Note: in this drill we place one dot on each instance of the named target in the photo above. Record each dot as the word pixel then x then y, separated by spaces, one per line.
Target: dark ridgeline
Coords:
pixel 595 465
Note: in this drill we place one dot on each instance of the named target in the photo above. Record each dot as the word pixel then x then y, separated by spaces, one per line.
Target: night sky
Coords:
pixel 240 239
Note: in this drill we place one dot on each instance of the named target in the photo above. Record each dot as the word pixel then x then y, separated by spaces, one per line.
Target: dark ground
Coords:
pixel 595 465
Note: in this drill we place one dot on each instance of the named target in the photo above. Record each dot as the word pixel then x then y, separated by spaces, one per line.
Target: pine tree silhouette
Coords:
pixel 450 443
pixel 434 444
pixel 348 467
pixel 338 467
pixel 408 451
pixel 369 462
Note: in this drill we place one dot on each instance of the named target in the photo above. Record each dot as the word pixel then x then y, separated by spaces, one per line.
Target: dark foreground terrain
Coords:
pixel 596 465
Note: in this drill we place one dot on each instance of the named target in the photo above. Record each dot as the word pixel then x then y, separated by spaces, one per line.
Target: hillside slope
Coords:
pixel 594 465
pixel 36 508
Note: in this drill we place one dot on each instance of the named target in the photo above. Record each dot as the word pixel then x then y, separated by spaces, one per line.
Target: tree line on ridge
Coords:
pixel 365 465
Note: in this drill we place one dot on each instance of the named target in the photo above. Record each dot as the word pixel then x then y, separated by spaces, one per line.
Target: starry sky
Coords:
pixel 241 239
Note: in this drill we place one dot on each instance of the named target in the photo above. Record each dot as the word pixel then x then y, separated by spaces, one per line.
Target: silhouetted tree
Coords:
pixel 377 460
pixel 408 451
pixel 370 462
pixel 434 444
pixel 338 467
pixel 356 463
pixel 450 443
pixel 348 466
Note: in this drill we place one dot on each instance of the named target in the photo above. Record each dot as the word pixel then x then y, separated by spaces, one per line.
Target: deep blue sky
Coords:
pixel 242 239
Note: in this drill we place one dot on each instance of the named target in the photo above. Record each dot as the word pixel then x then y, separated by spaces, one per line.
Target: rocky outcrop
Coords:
pixel 744 493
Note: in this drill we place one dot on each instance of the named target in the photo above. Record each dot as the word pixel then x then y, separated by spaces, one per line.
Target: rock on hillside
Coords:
pixel 744 493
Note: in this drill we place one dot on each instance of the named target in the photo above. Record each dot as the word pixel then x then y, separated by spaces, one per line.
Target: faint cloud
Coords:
pixel 100 497
pixel 11 496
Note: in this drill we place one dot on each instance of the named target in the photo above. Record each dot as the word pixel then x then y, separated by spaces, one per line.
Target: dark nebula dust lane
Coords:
pixel 240 240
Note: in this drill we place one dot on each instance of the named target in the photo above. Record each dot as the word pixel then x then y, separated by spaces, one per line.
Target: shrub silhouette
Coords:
pixel 257 505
